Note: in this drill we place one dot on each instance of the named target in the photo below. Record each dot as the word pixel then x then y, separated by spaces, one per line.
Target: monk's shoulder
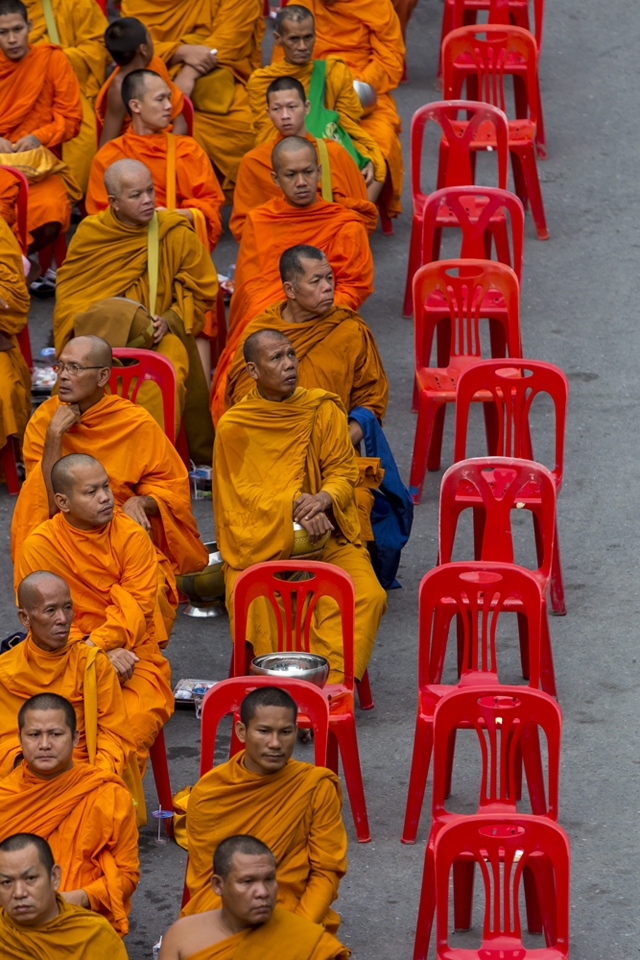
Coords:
pixel 337 69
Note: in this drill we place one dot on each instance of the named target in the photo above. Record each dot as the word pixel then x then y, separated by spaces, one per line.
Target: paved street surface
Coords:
pixel 579 310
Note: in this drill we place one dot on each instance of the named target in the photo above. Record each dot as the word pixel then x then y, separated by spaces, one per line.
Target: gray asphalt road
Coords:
pixel 579 311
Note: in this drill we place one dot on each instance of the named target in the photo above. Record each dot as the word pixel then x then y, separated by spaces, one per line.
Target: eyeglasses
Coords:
pixel 73 369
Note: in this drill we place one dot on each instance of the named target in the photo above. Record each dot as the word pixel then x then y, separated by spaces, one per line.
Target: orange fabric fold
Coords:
pixel 74 934
pixel 15 378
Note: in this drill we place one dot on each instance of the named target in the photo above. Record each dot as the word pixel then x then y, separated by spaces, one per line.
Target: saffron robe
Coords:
pixel 368 37
pixel 234 28
pixel 140 462
pixel 87 817
pixel 40 95
pixel 296 812
pixel 196 187
pixel 15 378
pixel 26 670
pixel 74 934
pixel 265 455
pixel 157 66
pixel 113 575
pixel 255 185
pixel 339 95
pixel 81 25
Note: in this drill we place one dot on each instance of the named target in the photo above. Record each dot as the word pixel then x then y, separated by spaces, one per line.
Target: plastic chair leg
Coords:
pixel 158 757
pixel 530 170
pixel 523 635
pixel 332 752
pixel 532 903
pixel 463 876
pixel 451 749
pixel 541 139
pixel 364 692
pixel 434 450
pixel 420 763
pixel 557 586
pixel 413 264
pixel 9 463
pixel 345 731
pixel 547 672
pixel 426 908
pixel 519 181
pixel 182 447
pixel 532 761
pixel 421 446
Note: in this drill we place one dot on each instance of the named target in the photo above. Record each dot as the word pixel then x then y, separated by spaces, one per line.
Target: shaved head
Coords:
pixel 293 13
pixel 63 471
pixel 253 344
pixel 98 351
pixel 135 84
pixel 288 147
pixel 121 170
pixel 31 588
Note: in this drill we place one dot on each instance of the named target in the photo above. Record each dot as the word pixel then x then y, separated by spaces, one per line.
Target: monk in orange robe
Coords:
pixel 295 35
pixel 86 815
pixel 39 107
pixel 283 455
pixel 368 37
pixel 341 181
pixel 147 475
pixel 15 378
pixel 131 47
pixel 183 178
pixel 211 47
pixel 50 927
pixel 54 659
pixel 78 27
pixel 110 565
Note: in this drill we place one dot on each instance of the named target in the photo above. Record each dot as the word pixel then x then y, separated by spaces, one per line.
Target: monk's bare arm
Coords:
pixel 327 850
pixel 115 113
pixel 67 415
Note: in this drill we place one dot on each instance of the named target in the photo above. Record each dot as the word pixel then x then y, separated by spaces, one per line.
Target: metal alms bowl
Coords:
pixel 366 95
pixel 295 665
pixel 204 589
pixel 303 548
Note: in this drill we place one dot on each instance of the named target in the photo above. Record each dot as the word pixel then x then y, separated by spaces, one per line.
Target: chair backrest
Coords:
pixel 187 113
pixel 227 695
pixel 468 288
pixel 477 593
pixel 515 12
pixel 497 485
pixel 490 52
pixel 146 365
pixel 21 205
pixel 459 136
pixel 503 846
pixel 512 388
pixel 506 721
pixel 474 207
pixel 292 602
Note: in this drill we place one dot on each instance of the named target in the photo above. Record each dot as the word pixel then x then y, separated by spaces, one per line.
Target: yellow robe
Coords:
pixel 15 379
pixel 74 934
pixel 296 812
pixel 81 25
pixel 265 455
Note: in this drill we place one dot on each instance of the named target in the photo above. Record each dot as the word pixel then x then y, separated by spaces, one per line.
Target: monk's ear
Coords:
pixel 289 290
pixel 277 38
pixel 252 370
pixel 216 883
pixel 56 877
pixel 103 376
pixel 23 617
pixel 62 502
pixel 307 107
pixel 241 730
pixel 274 177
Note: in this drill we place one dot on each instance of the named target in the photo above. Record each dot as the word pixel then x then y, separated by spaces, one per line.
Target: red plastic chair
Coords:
pixel 293 603
pixel 507 721
pixel 461 139
pixel 493 487
pixel 508 392
pixel 489 61
pixel 452 296
pixel 148 366
pixel 504 846
pixel 476 594
pixel 158 757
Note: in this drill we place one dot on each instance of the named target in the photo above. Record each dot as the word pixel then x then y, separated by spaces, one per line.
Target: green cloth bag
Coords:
pixel 325 123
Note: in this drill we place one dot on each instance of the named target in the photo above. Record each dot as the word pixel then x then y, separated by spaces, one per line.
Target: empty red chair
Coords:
pixel 488 51
pixel 292 603
pixel 460 140
pixel 460 294
pixel 503 847
pixel 508 392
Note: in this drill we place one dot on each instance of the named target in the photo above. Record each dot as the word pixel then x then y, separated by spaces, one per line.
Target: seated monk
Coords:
pixel 35 920
pixel 39 107
pixel 333 100
pixel 342 182
pixel 131 48
pixel 293 807
pixel 15 378
pixel 302 469
pixel 54 660
pixel 183 178
pixel 110 565
pixel 147 476
pixel 109 256
pixel 210 48
pixel 86 815
pixel 368 38
pixel 248 922
pixel 78 27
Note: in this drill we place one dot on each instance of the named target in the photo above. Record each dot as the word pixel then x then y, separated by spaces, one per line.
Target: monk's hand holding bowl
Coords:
pixel 123 661
pixel 160 327
pixel 309 510
pixel 30 142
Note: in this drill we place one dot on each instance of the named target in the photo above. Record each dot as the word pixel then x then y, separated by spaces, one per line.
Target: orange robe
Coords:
pixel 74 934
pixel 296 812
pixel 339 95
pixel 232 27
pixel 139 460
pixel 27 670
pixel 40 95
pixel 368 37
pixel 155 64
pixel 196 187
pixel 255 185
pixel 87 817
pixel 15 378
pixel 113 576
pixel 81 25
pixel 265 455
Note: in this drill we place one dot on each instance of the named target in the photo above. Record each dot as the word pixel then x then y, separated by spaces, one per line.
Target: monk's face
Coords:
pixel 89 503
pixel 14 36
pixel 47 743
pixel 135 201
pixel 152 112
pixel 313 291
pixel 269 739
pixel 298 175
pixel 276 368
pixel 27 889
pixel 79 378
pixel 297 38
pixel 48 614
pixel 249 890
pixel 287 112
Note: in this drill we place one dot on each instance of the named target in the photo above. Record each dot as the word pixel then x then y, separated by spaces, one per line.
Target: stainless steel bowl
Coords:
pixel 366 95
pixel 296 666
pixel 204 589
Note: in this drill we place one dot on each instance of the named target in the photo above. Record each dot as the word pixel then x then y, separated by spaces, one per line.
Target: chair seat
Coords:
pixel 443 381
